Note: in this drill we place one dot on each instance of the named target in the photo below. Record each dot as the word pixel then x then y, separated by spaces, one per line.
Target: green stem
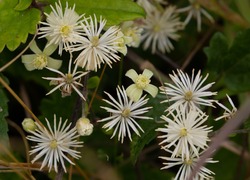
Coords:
pixel 120 71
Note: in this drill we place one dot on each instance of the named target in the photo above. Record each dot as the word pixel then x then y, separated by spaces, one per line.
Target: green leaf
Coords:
pixel 237 77
pixel 139 142
pixel 16 25
pixel 149 127
pixel 216 51
pixel 55 104
pixel 3 123
pixel 22 5
pixel 232 64
pixel 93 82
pixel 114 11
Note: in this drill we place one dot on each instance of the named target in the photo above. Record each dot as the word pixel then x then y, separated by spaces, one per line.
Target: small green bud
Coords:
pixel 29 125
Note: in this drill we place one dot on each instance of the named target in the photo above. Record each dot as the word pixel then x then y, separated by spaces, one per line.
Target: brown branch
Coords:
pixel 20 101
pixel 196 48
pixel 241 115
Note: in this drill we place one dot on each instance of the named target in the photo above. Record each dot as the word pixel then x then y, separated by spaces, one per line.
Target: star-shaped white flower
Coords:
pixel 185 132
pixel 54 145
pixel 187 166
pixel 160 28
pixel 195 10
pixel 40 59
pixel 141 82
pixel 123 114
pixel 67 82
pixel 62 27
pixel 97 48
pixel 228 114
pixel 187 91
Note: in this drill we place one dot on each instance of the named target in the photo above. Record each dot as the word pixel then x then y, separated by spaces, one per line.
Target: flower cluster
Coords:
pixel 185 133
pixel 90 43
pixel 95 43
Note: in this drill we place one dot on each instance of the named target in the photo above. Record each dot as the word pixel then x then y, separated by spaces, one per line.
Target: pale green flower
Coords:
pixel 40 59
pixel 132 33
pixel 141 82
pixel 121 43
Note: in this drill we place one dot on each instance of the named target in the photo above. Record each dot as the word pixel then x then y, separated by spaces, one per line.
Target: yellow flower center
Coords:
pixel 65 30
pixel 188 96
pixel 183 132
pixel 188 162
pixel 40 61
pixel 95 41
pixel 53 144
pixel 196 5
pixel 69 78
pixel 126 113
pixel 142 81
pixel 156 28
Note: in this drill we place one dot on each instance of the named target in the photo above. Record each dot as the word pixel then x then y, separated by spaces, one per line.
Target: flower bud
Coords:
pixel 84 127
pixel 29 125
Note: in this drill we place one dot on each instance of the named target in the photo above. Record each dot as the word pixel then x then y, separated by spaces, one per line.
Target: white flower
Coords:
pixel 187 166
pixel 187 92
pixel 67 82
pixel 195 10
pixel 40 59
pixel 228 114
pixel 185 132
pixel 97 48
pixel 55 144
pixel 62 27
pixel 84 127
pixel 123 114
pixel 141 82
pixel 159 28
